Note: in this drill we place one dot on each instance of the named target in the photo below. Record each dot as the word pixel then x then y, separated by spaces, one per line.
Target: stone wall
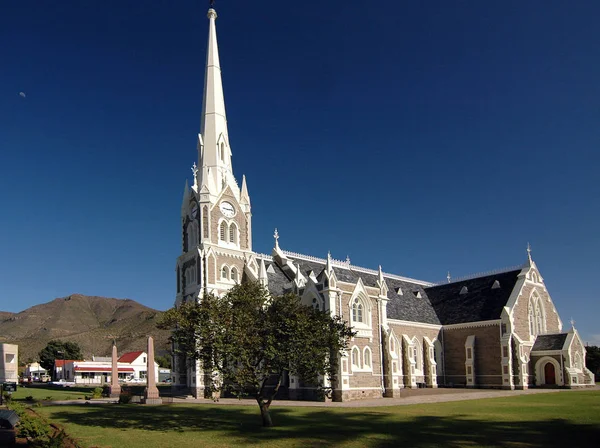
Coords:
pixel 487 355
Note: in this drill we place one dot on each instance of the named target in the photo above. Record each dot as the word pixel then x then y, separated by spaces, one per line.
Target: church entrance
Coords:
pixel 549 373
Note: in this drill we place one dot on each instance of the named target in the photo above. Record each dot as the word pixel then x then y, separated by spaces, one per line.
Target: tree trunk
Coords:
pixel 264 413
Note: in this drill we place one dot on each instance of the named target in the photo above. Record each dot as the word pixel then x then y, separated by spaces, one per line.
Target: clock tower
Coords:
pixel 216 226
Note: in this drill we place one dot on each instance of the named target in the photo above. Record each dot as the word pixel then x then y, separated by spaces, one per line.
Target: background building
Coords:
pixel 9 363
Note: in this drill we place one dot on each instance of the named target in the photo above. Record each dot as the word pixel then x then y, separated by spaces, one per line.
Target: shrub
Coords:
pixel 29 398
pixel 106 390
pixel 97 392
pixel 34 427
pixel 125 398
pixel 7 397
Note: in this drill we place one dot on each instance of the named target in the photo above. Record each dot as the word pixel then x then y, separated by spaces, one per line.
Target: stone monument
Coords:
pixel 115 388
pixel 151 395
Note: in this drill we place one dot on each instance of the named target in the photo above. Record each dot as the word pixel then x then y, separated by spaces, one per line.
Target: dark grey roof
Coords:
pixel 549 342
pixel 480 303
pixel 408 306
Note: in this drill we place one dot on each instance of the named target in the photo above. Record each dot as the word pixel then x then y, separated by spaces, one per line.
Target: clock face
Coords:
pixel 227 209
pixel 194 211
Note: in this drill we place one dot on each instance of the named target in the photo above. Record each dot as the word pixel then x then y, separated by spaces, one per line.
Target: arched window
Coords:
pixel 222 152
pixel 537 316
pixel 225 273
pixel 234 274
pixel 367 358
pixel 417 354
pixel 356 357
pixel 357 311
pixel 233 233
pixel 392 344
pixel 223 231
pixel 315 304
pixel 534 277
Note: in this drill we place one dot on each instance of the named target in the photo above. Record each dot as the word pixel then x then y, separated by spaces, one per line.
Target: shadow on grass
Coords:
pixel 324 427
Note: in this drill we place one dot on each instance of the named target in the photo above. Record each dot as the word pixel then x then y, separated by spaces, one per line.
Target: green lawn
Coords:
pixel 557 419
pixel 53 393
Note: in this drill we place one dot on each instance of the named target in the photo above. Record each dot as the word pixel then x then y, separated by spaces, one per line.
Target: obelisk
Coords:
pixel 115 388
pixel 151 395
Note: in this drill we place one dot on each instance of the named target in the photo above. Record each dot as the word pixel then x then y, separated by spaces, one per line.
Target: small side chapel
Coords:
pixel 498 330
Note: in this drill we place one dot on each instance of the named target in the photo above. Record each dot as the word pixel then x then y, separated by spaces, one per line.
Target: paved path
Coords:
pixel 415 397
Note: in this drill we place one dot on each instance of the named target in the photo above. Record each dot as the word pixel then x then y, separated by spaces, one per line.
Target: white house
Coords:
pixel 9 363
pixel 34 370
pixel 131 367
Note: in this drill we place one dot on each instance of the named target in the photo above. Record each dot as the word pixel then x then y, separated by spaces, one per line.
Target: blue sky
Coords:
pixel 422 136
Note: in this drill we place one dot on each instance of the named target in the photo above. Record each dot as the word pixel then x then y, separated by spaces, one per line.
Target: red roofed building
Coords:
pixel 131 366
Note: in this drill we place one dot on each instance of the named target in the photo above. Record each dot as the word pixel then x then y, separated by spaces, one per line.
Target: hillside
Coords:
pixel 90 321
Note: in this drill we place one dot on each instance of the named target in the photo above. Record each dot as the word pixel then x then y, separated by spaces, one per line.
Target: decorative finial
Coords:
pixel 276 236
pixel 348 260
pixel 212 14
pixel 449 277
pixel 529 251
pixel 194 169
pixel 572 322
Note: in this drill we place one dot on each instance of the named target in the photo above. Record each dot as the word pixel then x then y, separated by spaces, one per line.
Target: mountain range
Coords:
pixel 90 321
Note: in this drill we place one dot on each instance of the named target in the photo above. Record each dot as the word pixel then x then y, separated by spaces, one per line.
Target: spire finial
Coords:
pixel 348 260
pixel 276 236
pixel 572 322
pixel 529 251
pixel 449 277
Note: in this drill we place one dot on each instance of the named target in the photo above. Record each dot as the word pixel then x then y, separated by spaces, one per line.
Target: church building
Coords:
pixel 498 330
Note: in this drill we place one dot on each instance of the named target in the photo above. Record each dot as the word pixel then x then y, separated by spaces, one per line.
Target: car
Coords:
pixel 63 383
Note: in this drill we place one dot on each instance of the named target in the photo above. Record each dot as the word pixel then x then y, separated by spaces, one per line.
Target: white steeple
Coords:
pixel 214 153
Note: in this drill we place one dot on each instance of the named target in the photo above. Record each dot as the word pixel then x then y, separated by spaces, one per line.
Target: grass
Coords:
pixel 542 420
pixel 39 392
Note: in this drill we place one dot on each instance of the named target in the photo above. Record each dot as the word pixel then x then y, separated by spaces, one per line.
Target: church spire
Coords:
pixel 214 152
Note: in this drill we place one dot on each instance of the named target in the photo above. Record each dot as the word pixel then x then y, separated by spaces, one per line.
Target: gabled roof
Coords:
pixel 130 356
pixel 62 362
pixel 479 303
pixel 403 307
pixel 550 342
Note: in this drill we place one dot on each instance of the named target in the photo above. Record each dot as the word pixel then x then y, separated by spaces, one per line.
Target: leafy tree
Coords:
pixel 247 339
pixel 163 361
pixel 592 359
pixel 68 350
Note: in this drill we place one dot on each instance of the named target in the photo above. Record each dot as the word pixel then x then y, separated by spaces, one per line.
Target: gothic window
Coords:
pixel 233 233
pixel 356 358
pixel 222 152
pixel 537 316
pixel 225 273
pixel 534 277
pixel 205 221
pixel 367 358
pixel 223 231
pixel 234 274
pixel 392 345
pixel 417 355
pixel 357 311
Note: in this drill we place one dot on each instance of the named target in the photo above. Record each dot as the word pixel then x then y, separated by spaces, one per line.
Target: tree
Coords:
pixel 248 339
pixel 163 361
pixel 68 350
pixel 592 359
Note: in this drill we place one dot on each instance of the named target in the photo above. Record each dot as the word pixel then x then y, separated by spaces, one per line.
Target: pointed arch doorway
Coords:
pixel 549 374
